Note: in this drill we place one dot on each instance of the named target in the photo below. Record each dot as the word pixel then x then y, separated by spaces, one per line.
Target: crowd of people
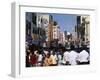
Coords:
pixel 46 57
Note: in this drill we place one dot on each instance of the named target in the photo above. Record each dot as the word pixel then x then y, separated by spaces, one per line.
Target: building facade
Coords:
pixel 34 29
pixel 83 28
pixel 62 38
pixel 56 32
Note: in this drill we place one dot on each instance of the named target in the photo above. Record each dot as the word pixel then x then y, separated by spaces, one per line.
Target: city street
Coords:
pixel 57 39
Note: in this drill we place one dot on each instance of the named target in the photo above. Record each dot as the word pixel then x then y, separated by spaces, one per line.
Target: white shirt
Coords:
pixel 83 56
pixel 66 56
pixel 46 52
pixel 73 57
pixel 59 59
pixel 40 57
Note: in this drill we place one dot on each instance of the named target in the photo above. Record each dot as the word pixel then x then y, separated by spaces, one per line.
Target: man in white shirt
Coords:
pixel 73 55
pixel 40 57
pixel 66 58
pixel 59 59
pixel 83 57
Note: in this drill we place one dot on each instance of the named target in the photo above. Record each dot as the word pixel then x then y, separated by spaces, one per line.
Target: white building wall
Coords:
pixel 43 22
pixel 62 38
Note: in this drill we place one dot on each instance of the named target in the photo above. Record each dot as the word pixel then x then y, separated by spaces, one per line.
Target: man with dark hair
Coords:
pixel 33 58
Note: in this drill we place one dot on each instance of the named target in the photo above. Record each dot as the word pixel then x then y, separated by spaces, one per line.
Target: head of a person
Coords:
pixel 36 52
pixel 51 52
pixel 81 49
pixel 30 53
pixel 78 50
pixel 48 55
pixel 40 51
pixel 28 50
pixel 45 52
pixel 68 50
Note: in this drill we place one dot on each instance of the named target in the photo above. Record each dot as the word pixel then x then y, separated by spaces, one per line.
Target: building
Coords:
pixel 62 38
pixel 33 29
pixel 56 31
pixel 50 34
pixel 45 21
pixel 30 22
pixel 87 27
pixel 83 28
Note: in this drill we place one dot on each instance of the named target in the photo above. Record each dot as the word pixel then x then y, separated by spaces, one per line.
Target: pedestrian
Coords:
pixel 27 58
pixel 40 58
pixel 47 60
pixel 33 58
pixel 72 57
pixel 59 59
pixel 83 57
pixel 30 59
pixel 66 58
pixel 54 58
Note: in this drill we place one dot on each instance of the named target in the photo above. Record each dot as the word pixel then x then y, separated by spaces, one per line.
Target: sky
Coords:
pixel 65 21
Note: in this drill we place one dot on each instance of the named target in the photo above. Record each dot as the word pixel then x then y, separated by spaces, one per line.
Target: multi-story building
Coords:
pixel 37 33
pixel 45 22
pixel 62 38
pixel 86 21
pixel 50 34
pixel 83 28
pixel 56 31
pixel 30 22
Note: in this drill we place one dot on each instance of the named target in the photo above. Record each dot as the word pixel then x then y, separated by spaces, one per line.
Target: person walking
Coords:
pixel 33 59
pixel 66 58
pixel 73 55
pixel 83 57
pixel 48 60
pixel 54 59
pixel 40 58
